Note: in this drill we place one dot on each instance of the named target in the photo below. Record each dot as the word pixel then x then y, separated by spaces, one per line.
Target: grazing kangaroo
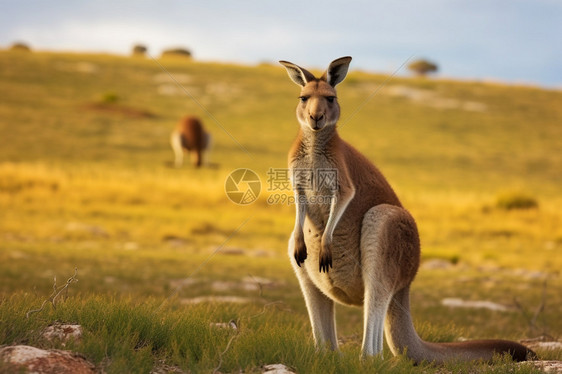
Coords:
pixel 190 135
pixel 353 242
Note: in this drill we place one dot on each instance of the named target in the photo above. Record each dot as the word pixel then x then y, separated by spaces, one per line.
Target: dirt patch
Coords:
pixel 232 251
pixel 172 89
pixel 176 78
pixel 246 284
pixel 207 228
pixel 79 67
pixel 437 264
pixel 176 241
pixel 118 109
pixel 84 228
pixel 249 283
pixel 432 99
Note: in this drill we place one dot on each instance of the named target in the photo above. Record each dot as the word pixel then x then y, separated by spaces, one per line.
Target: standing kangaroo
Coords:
pixel 355 244
pixel 190 135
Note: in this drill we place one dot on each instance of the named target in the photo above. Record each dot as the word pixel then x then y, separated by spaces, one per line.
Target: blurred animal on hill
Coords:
pixel 190 136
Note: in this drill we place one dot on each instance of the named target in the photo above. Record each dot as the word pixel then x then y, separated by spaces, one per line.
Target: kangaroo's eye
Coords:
pixel 331 99
pixel 303 99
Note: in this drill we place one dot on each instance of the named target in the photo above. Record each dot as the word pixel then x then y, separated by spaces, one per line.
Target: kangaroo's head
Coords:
pixel 318 107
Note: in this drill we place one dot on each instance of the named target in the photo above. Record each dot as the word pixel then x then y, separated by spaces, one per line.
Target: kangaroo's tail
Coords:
pixel 402 337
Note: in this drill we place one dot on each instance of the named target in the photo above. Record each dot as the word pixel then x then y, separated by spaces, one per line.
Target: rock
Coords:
pixel 163 368
pixel 63 333
pixel 436 264
pixel 549 346
pixel 225 325
pixel 479 304
pixel 277 369
pixel 217 299
pixel 542 343
pixel 554 367
pixel 39 361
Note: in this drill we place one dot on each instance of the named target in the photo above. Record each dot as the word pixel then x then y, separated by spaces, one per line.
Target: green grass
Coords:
pixel 135 336
pixel 86 182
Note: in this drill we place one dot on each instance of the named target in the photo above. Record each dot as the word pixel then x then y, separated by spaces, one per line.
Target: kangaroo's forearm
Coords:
pixel 300 253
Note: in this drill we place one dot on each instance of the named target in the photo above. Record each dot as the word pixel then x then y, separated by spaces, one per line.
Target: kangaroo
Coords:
pixel 353 242
pixel 190 135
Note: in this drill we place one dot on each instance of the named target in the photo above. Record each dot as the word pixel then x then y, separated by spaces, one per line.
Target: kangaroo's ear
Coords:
pixel 337 71
pixel 297 74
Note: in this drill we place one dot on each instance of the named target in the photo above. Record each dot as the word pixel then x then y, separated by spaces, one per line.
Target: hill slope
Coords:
pixel 86 182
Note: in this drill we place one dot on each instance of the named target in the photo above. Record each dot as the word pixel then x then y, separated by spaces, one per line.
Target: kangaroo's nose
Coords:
pixel 317 117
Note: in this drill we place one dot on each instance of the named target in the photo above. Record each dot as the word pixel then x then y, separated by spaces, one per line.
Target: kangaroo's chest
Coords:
pixel 314 174
pixel 315 179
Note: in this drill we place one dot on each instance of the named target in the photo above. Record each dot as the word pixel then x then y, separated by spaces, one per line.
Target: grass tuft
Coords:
pixel 109 98
pixel 516 200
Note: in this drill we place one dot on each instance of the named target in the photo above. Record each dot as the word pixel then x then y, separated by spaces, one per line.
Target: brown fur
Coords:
pixel 359 246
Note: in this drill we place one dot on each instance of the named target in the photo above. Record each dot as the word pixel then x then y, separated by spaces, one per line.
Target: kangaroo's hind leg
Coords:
pixel 389 260
pixel 321 309
pixel 176 143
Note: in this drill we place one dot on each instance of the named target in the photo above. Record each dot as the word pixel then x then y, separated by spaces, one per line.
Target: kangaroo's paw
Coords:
pixel 300 250
pixel 325 256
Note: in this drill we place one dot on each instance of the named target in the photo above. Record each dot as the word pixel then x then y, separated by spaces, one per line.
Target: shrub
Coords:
pixel 20 46
pixel 422 67
pixel 516 200
pixel 177 52
pixel 139 50
pixel 109 98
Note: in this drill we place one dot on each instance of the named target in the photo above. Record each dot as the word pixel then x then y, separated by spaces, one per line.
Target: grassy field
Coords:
pixel 86 183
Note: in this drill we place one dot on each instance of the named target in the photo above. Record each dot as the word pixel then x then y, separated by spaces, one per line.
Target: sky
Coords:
pixel 514 41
